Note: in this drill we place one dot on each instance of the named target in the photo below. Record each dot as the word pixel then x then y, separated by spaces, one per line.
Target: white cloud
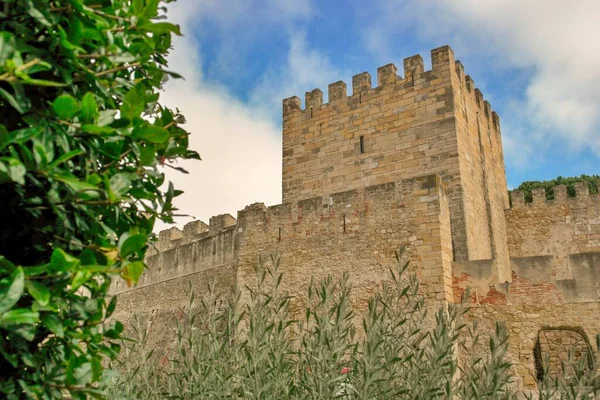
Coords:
pixel 240 144
pixel 558 42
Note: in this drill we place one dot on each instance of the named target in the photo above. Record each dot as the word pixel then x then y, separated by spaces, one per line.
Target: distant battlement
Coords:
pixel 582 195
pixel 173 237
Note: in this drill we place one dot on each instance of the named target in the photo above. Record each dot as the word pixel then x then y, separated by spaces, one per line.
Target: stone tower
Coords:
pixel 427 122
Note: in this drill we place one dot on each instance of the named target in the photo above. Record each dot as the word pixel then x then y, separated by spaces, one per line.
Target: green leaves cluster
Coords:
pixel 83 141
pixel 593 182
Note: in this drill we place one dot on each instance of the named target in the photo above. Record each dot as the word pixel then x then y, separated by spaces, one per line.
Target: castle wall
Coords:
pixel 199 247
pixel 481 165
pixel 562 227
pixel 528 321
pixel 534 305
pixel 181 262
pixel 161 305
pixel 357 232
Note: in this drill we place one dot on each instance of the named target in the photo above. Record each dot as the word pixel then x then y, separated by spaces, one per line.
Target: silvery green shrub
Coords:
pixel 254 349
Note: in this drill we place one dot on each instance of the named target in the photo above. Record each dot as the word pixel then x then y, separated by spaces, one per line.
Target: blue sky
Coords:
pixel 537 62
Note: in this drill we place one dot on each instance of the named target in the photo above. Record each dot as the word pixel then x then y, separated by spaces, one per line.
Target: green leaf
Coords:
pixel 75 183
pixel 134 102
pixel 90 128
pixel 7 46
pixel 158 28
pixel 41 82
pixel 106 117
pixel 151 133
pixel 14 170
pixel 19 136
pixel 36 270
pixel 53 322
pixel 131 244
pixel 38 15
pixel 151 8
pixel 6 265
pixel 18 103
pixel 133 271
pixel 65 157
pixel 119 184
pixel 96 368
pixel 138 6
pixel 65 106
pixel 38 291
pixel 147 154
pixel 75 33
pixel 11 294
pixel 89 108
pixel 94 179
pixel 79 279
pixel 60 261
pixel 110 309
pixel 19 316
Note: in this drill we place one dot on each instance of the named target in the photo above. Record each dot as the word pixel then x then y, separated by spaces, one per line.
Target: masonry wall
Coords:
pixel 533 304
pixel 357 232
pixel 483 178
pixel 427 122
pixel 407 125
pixel 180 263
pixel 525 322
pixel 562 227
pixel 199 247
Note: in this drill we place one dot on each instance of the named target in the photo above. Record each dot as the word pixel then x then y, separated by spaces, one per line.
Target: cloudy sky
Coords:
pixel 536 61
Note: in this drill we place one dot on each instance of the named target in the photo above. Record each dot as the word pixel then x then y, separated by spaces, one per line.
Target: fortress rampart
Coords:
pixel 415 162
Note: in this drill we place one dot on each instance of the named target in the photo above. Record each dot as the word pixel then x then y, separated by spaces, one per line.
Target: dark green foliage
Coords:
pixel 82 137
pixel 592 180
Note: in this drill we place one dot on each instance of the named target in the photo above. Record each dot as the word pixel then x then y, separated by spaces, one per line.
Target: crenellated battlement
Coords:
pixel 476 96
pixel 387 76
pixel 173 237
pixel 199 247
pixel 582 196
pixel 339 213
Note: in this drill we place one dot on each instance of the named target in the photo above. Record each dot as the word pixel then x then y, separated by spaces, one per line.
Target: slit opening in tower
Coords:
pixel 362 144
pixel 279 236
pixel 344 224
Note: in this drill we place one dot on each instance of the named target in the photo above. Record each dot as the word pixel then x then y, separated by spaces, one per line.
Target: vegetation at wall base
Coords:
pixel 229 346
pixel 82 141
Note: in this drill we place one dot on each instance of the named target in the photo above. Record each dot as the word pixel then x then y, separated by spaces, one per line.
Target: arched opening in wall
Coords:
pixel 558 346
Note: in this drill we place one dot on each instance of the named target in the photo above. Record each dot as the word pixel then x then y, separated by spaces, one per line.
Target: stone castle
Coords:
pixel 414 162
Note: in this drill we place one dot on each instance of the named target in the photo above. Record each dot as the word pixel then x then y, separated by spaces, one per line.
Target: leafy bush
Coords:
pixel 82 136
pixel 257 351
pixel 526 187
